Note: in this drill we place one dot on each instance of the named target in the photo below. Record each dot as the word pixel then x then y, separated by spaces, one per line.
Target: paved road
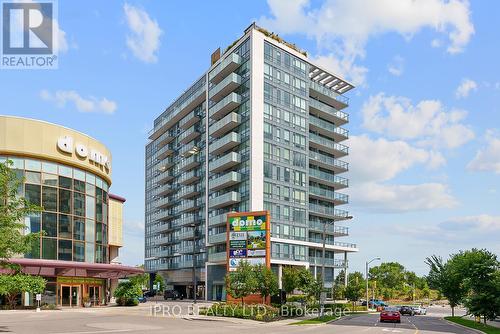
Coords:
pixel 140 320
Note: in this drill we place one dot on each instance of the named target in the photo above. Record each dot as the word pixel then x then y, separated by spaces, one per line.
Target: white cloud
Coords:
pixel 144 40
pixel 344 67
pixel 396 66
pixel 427 121
pixel 465 87
pixel 402 198
pixel 488 158
pixel 90 104
pixel 343 28
pixel 375 162
pixel 480 223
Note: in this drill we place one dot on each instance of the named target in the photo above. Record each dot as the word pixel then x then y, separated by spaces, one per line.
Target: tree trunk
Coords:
pixel 453 311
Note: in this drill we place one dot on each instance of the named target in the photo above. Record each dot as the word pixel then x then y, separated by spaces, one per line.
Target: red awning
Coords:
pixel 71 268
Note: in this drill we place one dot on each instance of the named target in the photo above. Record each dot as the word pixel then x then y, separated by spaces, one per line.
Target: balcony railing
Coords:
pixel 217 238
pixel 330 93
pixel 226 180
pixel 328 162
pixel 319 176
pixel 328 211
pixel 226 66
pixel 189 177
pixel 217 257
pixel 226 199
pixel 217 220
pixel 329 195
pixel 329 112
pixel 333 243
pixel 328 145
pixel 225 143
pixel 340 231
pixel 227 161
pixel 320 125
pixel 223 107
pixel 318 261
pixel 226 124
pixel 226 86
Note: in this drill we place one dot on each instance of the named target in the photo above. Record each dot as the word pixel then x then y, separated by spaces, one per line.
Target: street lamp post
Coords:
pixel 194 262
pixel 366 275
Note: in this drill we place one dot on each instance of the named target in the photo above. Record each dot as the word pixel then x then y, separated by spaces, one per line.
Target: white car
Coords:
pixel 419 310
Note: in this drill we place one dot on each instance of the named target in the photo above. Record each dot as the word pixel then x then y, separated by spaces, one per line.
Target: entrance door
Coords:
pixel 70 295
pixel 95 294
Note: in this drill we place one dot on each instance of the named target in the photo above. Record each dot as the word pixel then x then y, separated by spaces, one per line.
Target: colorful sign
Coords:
pixel 79 280
pixel 248 239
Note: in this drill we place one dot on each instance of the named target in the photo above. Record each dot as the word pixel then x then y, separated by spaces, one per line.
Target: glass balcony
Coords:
pixel 163 165
pixel 333 243
pixel 164 139
pixel 164 202
pixel 188 135
pixel 226 105
pixel 189 191
pixel 224 181
pixel 226 86
pixel 328 195
pixel 225 125
pixel 226 199
pixel 335 230
pixel 327 162
pixel 327 145
pixel 328 112
pixel 225 162
pixel 225 143
pixel 164 253
pixel 164 240
pixel 189 205
pixel 217 220
pixel 164 215
pixel 164 152
pixel 163 178
pixel 189 119
pixel 163 190
pixel 217 257
pixel 217 238
pixel 327 129
pixel 318 261
pixel 189 177
pixel 226 66
pixel 189 163
pixel 328 95
pixel 328 212
pixel 329 179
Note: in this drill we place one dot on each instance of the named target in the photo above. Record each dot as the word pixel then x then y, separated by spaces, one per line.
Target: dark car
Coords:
pixel 142 299
pixel 406 310
pixel 150 294
pixel 172 294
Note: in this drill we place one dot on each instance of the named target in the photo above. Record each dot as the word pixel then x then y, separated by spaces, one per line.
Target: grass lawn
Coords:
pixel 316 321
pixel 472 324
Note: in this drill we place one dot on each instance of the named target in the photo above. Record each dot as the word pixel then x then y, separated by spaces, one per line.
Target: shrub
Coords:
pixel 126 294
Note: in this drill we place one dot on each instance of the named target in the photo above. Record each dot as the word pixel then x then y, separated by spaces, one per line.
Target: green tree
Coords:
pixel 12 285
pixel 241 282
pixel 390 278
pixel 354 291
pixel 159 282
pixel 13 209
pixel 308 284
pixel 447 278
pixel 140 280
pixel 289 279
pixel 267 282
pixel 126 293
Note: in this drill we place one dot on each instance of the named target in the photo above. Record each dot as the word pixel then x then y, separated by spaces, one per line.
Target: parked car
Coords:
pixel 142 299
pixel 172 294
pixel 390 314
pixel 375 303
pixel 406 310
pixel 150 293
pixel 419 310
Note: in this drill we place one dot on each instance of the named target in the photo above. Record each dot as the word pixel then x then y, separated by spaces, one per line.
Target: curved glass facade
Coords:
pixel 75 210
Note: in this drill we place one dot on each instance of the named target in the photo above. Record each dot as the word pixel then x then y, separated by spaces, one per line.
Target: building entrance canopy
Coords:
pixel 71 268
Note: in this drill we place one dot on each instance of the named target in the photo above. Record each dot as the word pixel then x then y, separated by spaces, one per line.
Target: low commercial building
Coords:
pixel 68 173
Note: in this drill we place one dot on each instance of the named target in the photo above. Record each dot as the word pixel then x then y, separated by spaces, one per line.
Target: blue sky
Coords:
pixel 425 116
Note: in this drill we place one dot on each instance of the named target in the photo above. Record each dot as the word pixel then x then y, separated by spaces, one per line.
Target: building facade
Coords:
pixel 68 174
pixel 260 130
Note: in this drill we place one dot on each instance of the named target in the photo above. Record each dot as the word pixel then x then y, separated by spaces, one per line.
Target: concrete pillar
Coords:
pixel 345 269
pixel 280 275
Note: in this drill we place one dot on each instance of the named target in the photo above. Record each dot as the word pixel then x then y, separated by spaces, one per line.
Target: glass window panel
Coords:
pixel 32 177
pixel 65 171
pixel 90 207
pixel 79 174
pixel 78 204
pixel 90 178
pixel 32 165
pixel 65 182
pixel 34 252
pixel 78 251
pixel 104 213
pixel 65 228
pixel 49 224
pixel 65 250
pixel 98 232
pixel 79 229
pixel 90 189
pixel 90 230
pixel 49 249
pixel 17 163
pixel 64 201
pixel 50 179
pixel 99 254
pixel 49 167
pixel 89 252
pixel 32 223
pixel 79 186
pixel 49 198
pixel 33 194
pixel 98 182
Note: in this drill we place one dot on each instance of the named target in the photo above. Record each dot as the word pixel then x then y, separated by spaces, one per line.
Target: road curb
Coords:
pixel 462 326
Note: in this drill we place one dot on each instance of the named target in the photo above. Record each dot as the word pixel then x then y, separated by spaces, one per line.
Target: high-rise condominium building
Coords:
pixel 260 130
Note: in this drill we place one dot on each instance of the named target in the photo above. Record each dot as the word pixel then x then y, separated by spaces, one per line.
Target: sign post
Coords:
pixel 38 300
pixel 248 239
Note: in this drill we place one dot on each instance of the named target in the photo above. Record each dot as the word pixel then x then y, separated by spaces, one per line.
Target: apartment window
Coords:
pixel 268 171
pixel 286 175
pixel 268 131
pixel 286 193
pixel 286 155
pixel 286 212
